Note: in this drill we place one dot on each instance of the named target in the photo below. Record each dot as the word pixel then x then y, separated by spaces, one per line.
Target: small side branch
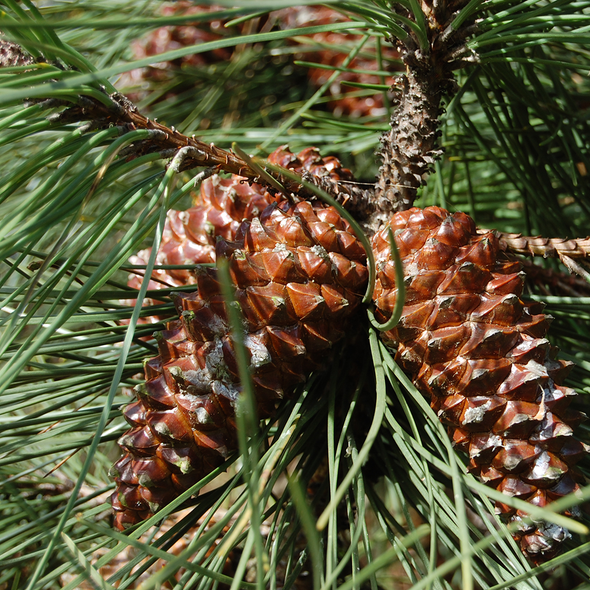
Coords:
pixel 574 253
pixel 167 141
pixel 553 282
pixel 545 247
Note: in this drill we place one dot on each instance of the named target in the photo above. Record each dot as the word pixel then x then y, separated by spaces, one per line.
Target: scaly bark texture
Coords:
pixel 12 55
pixel 480 354
pixel 410 148
pixel 573 253
pixel 546 247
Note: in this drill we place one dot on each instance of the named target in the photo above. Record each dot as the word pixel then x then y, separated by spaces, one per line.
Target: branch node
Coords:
pixel 182 154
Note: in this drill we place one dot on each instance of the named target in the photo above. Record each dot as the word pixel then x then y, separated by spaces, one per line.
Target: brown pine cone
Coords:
pixel 337 44
pixel 189 236
pixel 478 351
pixel 300 273
pixel 173 37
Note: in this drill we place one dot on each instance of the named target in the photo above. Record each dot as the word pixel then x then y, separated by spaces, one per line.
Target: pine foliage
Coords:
pixel 354 483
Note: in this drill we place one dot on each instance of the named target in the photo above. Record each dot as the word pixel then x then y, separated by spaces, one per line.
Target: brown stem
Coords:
pixel 124 113
pixel 574 253
pixel 546 247
pixel 409 149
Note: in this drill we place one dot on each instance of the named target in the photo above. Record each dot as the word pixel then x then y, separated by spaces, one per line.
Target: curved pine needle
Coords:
pixel 401 291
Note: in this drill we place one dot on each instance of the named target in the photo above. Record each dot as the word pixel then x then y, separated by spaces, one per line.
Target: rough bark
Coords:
pixel 410 147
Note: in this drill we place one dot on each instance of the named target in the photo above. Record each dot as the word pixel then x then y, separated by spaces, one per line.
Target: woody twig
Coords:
pixel 574 253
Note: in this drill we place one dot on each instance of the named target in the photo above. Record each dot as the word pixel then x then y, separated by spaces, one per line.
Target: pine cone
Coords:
pixel 478 351
pixel 300 273
pixel 169 38
pixel 189 236
pixel 345 99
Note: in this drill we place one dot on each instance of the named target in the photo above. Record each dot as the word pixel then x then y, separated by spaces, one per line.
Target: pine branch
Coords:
pixel 431 51
pixel 545 247
pixel 167 141
pixel 417 480
pixel 573 253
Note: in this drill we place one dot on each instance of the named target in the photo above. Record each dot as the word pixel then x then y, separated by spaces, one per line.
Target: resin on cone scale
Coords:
pixel 300 273
pixel 480 354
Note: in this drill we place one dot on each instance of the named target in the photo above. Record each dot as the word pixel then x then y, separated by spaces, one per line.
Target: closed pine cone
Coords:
pixel 189 236
pixel 300 273
pixel 478 351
